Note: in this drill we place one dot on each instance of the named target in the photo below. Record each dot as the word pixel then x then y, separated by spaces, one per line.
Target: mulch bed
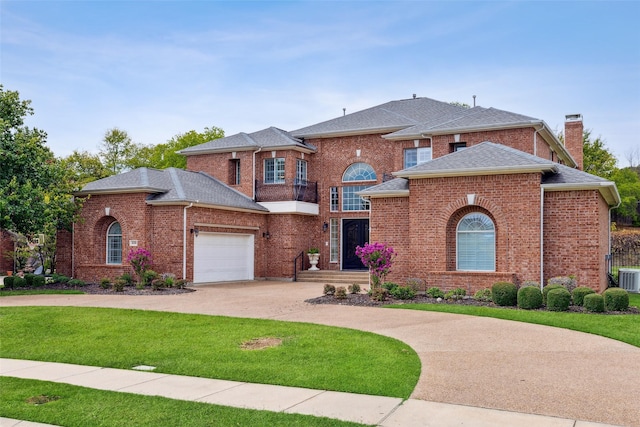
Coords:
pixel 364 300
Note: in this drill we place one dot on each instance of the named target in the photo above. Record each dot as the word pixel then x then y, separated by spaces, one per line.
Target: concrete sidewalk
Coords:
pixel 375 410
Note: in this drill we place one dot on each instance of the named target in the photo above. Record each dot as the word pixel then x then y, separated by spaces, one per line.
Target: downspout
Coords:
pixel 253 183
pixel 609 233
pixel 541 238
pixel 184 241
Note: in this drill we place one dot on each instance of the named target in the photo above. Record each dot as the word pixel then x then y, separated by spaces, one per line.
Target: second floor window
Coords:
pixel 416 156
pixel 234 172
pixel 301 171
pixel 274 171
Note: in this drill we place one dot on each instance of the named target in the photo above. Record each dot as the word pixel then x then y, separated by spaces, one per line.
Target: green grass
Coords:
pixel 312 356
pixel 4 293
pixel 82 407
pixel 621 327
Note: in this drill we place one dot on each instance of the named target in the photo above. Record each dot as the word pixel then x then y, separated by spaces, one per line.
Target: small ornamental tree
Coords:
pixel 140 260
pixel 378 258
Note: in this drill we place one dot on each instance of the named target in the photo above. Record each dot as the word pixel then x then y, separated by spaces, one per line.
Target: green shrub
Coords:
pixel 19 282
pixel 455 294
pixel 148 277
pixel 354 289
pixel 504 294
pixel 379 294
pixel 546 290
pixel 119 284
pixel 593 303
pixel 127 278
pixel 558 299
pixel 157 284
pixel 579 293
pixel 180 284
pixel 8 282
pixel 341 292
pixel 390 286
pixel 28 278
pixel 529 298
pixel 169 279
pixel 105 283
pixel 329 289
pixel 616 299
pixel 482 295
pixel 435 292
pixel 403 292
pixel 76 283
pixel 567 282
pixel 38 281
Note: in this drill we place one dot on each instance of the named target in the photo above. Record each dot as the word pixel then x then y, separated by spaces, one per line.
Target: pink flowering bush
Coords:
pixel 140 260
pixel 378 258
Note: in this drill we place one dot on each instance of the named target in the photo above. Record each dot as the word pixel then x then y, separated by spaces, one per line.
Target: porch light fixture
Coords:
pixel 266 235
pixel 195 231
pixel 325 227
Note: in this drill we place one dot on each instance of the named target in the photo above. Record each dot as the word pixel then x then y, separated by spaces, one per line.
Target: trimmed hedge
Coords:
pixel 616 299
pixel 403 292
pixel 504 294
pixel 558 299
pixel 9 281
pixel 529 298
pixel 579 293
pixel 19 282
pixel 37 281
pixel 547 289
pixel 593 303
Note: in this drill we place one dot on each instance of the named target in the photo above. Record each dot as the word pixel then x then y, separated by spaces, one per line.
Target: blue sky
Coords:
pixel 160 68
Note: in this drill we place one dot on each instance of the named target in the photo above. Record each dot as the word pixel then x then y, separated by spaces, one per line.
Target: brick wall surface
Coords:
pixel 576 237
pixel 573 141
pixel 64 253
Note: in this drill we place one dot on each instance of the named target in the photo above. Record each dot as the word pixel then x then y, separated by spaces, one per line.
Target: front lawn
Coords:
pixel 619 327
pixel 304 355
pixel 69 405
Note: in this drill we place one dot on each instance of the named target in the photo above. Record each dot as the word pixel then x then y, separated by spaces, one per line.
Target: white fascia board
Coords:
pixel 351 132
pixel 504 170
pixel 291 207
pixel 385 194
pixel 608 190
pixel 197 204
pixel 558 147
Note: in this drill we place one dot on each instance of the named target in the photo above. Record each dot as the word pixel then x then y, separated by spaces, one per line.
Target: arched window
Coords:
pixel 114 244
pixel 476 243
pixel 356 172
pixel 359 172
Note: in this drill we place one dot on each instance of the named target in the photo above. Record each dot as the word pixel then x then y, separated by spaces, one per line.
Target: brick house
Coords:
pixel 466 196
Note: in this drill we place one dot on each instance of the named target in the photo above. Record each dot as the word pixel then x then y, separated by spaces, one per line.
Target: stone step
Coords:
pixel 339 277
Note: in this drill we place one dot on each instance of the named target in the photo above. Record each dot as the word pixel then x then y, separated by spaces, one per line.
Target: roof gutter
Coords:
pixel 475 171
pixel 608 190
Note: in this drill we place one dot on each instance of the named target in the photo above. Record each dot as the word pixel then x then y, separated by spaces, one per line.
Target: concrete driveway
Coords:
pixel 466 360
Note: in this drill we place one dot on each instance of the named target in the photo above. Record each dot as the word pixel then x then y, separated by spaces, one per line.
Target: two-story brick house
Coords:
pixel 466 196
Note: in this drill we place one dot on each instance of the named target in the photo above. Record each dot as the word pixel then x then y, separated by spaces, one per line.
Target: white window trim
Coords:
pixel 493 269
pixel 108 251
pixel 276 161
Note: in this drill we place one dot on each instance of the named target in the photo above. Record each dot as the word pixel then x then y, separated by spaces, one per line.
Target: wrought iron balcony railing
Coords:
pixel 287 190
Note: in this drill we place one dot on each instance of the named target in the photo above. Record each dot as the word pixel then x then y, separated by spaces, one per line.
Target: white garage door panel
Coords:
pixel 221 257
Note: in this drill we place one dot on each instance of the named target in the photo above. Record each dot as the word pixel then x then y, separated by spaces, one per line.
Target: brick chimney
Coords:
pixel 573 130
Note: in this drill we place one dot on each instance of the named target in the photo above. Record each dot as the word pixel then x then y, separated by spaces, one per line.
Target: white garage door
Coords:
pixel 221 257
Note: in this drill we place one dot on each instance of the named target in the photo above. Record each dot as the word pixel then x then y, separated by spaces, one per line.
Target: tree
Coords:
pixel 628 184
pixel 598 160
pixel 34 196
pixel 163 156
pixel 82 167
pixel 116 150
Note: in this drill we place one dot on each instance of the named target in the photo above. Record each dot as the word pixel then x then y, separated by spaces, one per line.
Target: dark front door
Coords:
pixel 355 232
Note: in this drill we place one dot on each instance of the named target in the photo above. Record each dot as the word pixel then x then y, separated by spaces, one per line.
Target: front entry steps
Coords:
pixel 347 277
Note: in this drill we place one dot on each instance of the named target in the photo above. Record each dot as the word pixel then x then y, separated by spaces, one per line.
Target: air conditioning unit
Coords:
pixel 629 279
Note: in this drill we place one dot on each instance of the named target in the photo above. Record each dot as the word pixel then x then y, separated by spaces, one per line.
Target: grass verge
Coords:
pixel 71 406
pixel 311 356
pixel 619 327
pixel 5 293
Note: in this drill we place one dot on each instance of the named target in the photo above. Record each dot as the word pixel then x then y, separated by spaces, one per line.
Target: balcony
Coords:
pixel 289 190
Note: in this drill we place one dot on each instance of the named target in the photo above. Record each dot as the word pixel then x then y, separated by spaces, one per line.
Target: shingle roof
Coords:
pixel 387 117
pixel 470 119
pixel 268 138
pixel 481 159
pixel 397 187
pixel 173 186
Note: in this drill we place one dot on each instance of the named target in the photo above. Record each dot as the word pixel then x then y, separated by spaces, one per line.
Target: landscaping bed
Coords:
pixel 92 288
